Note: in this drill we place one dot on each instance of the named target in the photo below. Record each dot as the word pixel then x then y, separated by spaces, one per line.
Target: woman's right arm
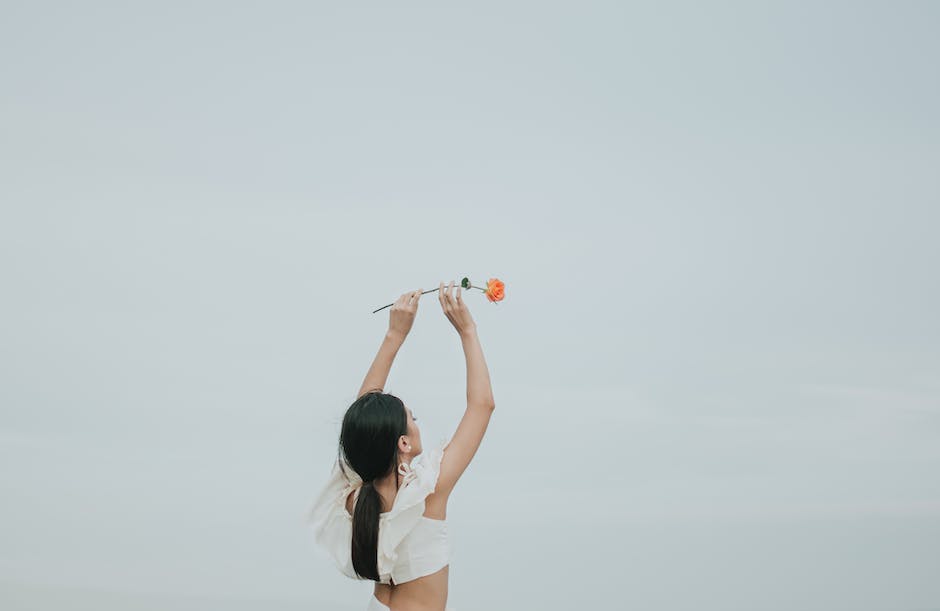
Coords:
pixel 480 403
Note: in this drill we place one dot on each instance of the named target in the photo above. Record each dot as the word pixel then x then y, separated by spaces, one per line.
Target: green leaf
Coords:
pixel 465 283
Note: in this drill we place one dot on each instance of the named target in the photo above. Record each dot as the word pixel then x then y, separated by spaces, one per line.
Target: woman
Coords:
pixel 383 513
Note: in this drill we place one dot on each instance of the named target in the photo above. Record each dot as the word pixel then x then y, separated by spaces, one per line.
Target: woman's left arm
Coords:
pixel 378 372
pixel 400 319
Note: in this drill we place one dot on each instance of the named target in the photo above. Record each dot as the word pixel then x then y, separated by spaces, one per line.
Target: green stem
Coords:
pixel 430 291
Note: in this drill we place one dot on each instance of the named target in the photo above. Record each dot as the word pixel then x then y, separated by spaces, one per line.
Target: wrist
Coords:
pixel 469 333
pixel 395 336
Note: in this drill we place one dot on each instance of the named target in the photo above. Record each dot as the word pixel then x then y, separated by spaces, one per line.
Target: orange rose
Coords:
pixel 495 289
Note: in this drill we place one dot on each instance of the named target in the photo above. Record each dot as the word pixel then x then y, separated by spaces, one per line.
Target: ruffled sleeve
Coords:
pixel 331 523
pixel 408 507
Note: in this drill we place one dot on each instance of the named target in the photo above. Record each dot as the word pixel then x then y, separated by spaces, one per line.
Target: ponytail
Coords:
pixel 365 532
pixel 371 429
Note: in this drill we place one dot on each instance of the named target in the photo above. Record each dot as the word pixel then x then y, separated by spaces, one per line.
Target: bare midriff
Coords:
pixel 428 593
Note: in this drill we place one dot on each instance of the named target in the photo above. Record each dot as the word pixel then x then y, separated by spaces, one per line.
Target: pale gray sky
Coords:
pixel 717 366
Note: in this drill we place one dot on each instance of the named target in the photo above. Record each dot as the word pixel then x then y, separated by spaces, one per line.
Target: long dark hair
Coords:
pixel 368 442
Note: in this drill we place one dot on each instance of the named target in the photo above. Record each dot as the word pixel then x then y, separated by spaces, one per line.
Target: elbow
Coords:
pixel 488 405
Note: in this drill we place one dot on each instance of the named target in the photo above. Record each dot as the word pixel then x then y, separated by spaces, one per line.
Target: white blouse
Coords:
pixel 410 545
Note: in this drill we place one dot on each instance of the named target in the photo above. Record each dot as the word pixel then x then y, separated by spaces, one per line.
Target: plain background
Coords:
pixel 717 366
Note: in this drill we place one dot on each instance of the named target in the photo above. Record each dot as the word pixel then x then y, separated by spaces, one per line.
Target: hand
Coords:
pixel 455 309
pixel 402 314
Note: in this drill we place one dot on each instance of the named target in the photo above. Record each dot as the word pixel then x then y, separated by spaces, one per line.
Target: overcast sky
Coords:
pixel 716 368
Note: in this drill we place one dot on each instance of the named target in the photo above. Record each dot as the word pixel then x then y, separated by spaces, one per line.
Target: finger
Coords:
pixel 450 292
pixel 440 293
pixel 458 295
pixel 445 298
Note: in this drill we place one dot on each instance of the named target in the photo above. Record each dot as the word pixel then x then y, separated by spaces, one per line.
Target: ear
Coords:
pixel 404 444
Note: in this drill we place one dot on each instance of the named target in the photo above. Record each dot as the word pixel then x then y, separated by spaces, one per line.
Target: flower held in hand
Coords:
pixel 495 290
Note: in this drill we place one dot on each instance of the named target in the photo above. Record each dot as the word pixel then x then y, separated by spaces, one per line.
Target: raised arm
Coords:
pixel 400 319
pixel 480 403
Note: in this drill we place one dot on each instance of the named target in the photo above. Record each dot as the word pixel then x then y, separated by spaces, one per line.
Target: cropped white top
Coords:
pixel 410 545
